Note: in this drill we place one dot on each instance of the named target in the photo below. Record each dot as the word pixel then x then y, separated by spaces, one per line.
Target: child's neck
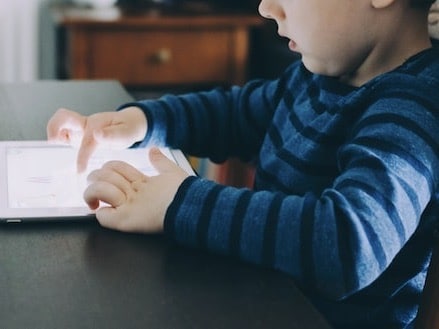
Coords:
pixel 388 56
pixel 368 72
pixel 394 46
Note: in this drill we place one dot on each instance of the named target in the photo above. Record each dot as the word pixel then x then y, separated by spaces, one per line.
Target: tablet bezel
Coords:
pixel 17 215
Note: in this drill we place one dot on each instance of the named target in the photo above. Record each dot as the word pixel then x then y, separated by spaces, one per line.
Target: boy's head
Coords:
pixel 354 40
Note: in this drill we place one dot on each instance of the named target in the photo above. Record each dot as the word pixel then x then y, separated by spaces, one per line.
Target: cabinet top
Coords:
pixel 69 15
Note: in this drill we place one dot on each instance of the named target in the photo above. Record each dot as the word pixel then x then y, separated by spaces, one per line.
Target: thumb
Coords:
pixel 160 161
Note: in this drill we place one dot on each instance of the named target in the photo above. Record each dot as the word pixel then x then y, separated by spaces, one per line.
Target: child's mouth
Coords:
pixel 292 45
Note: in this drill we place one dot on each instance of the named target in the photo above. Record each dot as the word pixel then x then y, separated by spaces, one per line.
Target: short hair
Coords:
pixel 422 3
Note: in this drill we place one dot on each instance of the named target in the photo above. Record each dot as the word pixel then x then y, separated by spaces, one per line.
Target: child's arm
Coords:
pixel 339 240
pixel 218 124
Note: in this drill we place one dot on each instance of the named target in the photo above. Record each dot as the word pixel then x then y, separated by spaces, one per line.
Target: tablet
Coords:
pixel 39 180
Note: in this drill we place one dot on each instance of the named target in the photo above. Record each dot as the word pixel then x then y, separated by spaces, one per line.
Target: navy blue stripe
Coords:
pixel 345 247
pixel 308 168
pixel 316 136
pixel 412 95
pixel 265 179
pixel 212 122
pixel 387 147
pixel 316 169
pixel 282 88
pixel 191 141
pixel 403 122
pixel 382 200
pixel 275 136
pixel 306 240
pixel 237 222
pixel 412 195
pixel 206 215
pixel 275 184
pixel 379 170
pixel 170 123
pixel 172 212
pixel 288 99
pixel 314 93
pixel 269 103
pixel 257 126
pixel 270 233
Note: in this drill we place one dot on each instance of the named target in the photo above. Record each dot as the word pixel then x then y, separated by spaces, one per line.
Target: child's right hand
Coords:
pixel 119 130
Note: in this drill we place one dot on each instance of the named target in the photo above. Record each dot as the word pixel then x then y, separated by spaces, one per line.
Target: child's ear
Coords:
pixel 379 4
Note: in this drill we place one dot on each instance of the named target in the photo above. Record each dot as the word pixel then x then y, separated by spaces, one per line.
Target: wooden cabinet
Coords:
pixel 152 49
pixel 163 57
pixel 158 50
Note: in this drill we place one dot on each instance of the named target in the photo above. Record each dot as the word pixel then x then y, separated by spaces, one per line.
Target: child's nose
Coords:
pixel 269 9
pixel 264 9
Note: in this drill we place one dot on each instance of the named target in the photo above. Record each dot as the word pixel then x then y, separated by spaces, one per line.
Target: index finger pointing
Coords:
pixel 86 149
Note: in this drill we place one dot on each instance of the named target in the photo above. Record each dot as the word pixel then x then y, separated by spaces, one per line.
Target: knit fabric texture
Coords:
pixel 345 198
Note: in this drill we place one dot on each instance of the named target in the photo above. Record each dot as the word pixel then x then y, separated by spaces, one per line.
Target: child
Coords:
pixel 346 149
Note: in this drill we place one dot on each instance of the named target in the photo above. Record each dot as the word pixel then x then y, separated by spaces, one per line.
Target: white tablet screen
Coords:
pixel 45 177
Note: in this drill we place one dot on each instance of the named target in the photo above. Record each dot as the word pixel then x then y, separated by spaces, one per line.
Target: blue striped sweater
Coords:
pixel 345 193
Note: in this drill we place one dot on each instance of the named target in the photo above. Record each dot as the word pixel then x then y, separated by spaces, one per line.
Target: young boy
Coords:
pixel 346 148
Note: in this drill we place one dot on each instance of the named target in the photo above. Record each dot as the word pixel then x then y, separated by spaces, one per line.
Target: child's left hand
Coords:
pixel 135 202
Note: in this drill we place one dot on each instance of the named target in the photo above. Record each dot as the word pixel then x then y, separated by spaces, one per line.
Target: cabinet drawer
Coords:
pixel 161 57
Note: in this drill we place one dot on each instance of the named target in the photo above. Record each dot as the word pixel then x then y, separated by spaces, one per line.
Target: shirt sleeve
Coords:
pixel 338 241
pixel 216 124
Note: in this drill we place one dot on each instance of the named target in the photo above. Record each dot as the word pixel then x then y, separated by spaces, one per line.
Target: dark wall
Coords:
pixel 237 4
pixel 270 54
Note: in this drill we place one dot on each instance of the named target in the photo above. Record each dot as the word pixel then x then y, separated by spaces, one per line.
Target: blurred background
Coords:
pixel 30 48
pixel 150 46
pixel 29 40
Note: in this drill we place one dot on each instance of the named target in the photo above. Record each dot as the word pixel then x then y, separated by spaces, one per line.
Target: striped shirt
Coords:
pixel 346 187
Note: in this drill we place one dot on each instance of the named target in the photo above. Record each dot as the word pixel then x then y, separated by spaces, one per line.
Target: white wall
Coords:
pixel 20 40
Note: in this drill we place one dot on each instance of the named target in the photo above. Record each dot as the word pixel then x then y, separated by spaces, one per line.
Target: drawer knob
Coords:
pixel 163 56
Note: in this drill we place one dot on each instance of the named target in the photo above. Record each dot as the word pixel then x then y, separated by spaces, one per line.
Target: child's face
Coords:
pixel 333 36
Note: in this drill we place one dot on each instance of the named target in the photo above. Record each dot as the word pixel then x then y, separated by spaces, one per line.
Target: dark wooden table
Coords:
pixel 80 275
